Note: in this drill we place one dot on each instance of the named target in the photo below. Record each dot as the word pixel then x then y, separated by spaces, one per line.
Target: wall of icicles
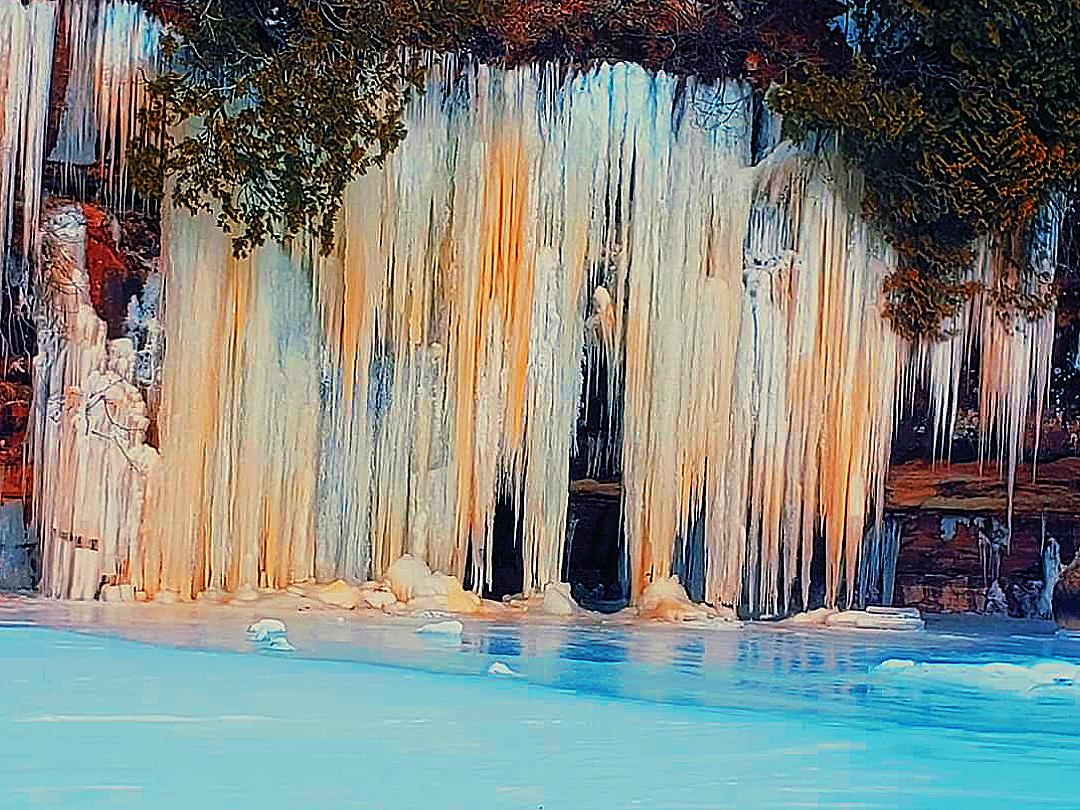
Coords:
pixel 319 417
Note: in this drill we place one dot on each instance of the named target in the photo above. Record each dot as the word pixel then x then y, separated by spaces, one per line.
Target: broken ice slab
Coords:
pixel 450 628
pixel 893 611
pixel 265 629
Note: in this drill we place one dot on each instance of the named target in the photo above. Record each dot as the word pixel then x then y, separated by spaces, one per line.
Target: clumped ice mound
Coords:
pixel 346 595
pixel 411 581
pixel 555 598
pixel 405 575
pixel 666 600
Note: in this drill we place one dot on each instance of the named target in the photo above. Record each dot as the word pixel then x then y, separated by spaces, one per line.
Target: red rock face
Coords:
pixel 941 574
pixel 14 416
pixel 113 278
pixel 1067 599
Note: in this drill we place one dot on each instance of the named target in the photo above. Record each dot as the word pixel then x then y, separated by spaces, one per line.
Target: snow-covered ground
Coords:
pixel 366 712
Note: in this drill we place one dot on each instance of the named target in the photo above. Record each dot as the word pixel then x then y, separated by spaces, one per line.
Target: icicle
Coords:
pixel 126 58
pixel 236 504
pixel 113 51
pixel 26 51
pixel 380 401
pixel 76 140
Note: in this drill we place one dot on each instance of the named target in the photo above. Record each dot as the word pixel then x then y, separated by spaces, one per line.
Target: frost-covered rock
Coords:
pixel 995 599
pixel 1051 566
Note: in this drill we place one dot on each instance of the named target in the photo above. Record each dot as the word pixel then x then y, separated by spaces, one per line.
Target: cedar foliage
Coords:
pixel 295 98
pixel 965 118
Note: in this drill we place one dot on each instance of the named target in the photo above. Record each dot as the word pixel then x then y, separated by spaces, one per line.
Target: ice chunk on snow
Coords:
pixel 816 616
pixel 265 629
pixel 865 620
pixel 450 628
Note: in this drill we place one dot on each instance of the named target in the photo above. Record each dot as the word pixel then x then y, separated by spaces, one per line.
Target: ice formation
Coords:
pixel 265 629
pixel 665 599
pixel 450 328
pixel 323 417
pixel 1012 354
pixel 87 427
pixel 1051 570
pixel 113 51
pixel 26 51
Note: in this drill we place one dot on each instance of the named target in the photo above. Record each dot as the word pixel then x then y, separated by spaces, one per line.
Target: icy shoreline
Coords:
pixel 217 625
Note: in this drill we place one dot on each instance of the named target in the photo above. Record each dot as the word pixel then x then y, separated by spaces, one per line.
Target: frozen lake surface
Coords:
pixel 372 714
